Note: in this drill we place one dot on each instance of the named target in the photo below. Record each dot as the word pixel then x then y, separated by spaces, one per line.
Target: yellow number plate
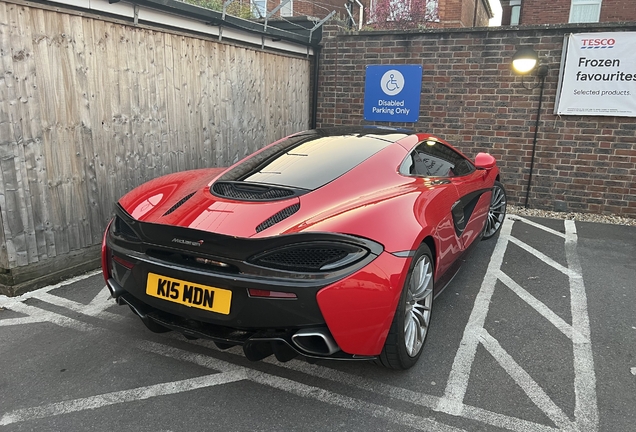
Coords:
pixel 193 295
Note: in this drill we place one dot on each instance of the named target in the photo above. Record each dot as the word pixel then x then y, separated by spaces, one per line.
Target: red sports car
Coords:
pixel 330 243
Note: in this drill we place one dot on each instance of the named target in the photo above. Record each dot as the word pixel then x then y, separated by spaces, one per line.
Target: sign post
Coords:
pixel 392 93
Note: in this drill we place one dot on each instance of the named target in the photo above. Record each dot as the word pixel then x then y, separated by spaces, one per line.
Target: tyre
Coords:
pixel 496 212
pixel 412 317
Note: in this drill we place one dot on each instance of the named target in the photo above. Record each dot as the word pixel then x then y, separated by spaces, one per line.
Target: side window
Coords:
pixel 434 159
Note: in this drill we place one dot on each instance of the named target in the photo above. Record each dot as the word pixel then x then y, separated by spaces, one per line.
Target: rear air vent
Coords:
pixel 123 230
pixel 250 192
pixel 179 204
pixel 310 257
pixel 283 214
pixel 307 258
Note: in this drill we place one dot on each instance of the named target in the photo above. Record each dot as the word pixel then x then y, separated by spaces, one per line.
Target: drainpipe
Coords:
pixel 361 15
pixel 314 98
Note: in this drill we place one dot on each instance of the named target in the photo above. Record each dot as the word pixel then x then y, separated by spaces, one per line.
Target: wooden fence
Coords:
pixel 91 108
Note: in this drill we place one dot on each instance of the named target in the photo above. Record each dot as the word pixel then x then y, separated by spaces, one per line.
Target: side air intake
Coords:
pixel 283 214
pixel 179 204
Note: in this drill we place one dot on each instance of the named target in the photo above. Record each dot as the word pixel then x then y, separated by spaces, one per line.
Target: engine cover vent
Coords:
pixel 277 217
pixel 179 204
pixel 251 192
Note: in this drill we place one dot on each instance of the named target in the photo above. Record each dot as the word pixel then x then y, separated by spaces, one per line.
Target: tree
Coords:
pixel 403 14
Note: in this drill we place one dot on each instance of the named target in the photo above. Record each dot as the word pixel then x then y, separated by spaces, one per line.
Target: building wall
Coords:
pixel 558 11
pixel 311 8
pixel 545 12
pixel 618 11
pixel 471 98
pixel 461 13
pixel 483 14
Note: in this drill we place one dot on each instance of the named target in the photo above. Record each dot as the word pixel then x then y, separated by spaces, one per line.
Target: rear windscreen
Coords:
pixel 317 160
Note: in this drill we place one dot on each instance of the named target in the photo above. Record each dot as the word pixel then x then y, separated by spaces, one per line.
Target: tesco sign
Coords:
pixel 598 75
pixel 598 43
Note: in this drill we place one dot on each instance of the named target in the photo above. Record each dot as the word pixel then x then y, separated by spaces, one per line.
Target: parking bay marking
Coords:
pixel 112 398
pixel 539 306
pixel 397 393
pixel 586 409
pixel 37 315
pixel 230 373
pixel 304 390
pixel 538 225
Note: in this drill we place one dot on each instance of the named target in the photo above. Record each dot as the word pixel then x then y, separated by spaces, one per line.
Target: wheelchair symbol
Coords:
pixel 392 82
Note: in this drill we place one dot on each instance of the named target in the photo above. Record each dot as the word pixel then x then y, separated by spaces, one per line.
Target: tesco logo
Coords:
pixel 598 43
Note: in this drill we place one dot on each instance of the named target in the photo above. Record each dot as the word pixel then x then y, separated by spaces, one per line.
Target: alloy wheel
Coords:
pixel 418 305
pixel 496 212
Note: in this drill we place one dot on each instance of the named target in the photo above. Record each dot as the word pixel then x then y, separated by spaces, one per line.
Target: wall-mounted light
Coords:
pixel 525 61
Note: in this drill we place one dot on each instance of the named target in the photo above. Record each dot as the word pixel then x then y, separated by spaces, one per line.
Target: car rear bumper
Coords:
pixel 314 342
pixel 340 313
pixel 348 319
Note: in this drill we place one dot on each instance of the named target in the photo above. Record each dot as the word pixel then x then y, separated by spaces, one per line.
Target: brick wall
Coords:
pixel 461 13
pixel 483 17
pixel 545 12
pixel 317 9
pixel 470 97
pixel 618 10
pixel 558 11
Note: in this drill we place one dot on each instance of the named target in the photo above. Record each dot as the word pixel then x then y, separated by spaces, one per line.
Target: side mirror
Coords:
pixel 485 161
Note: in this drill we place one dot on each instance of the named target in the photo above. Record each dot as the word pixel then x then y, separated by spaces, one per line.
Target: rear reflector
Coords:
pixel 270 294
pixel 123 262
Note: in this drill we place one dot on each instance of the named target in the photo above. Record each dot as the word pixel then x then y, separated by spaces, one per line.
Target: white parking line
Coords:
pixel 40 315
pixel 543 257
pixel 529 386
pixel 306 391
pixel 118 397
pixel 398 393
pixel 4 299
pixel 539 306
pixel 20 321
pixel 586 408
pixel 416 398
pixel 537 225
pixel 452 402
pixel 96 307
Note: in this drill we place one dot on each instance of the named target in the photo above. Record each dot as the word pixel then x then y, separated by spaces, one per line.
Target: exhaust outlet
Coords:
pixel 316 341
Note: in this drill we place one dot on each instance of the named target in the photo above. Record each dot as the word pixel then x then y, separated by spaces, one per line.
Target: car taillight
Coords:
pixel 311 257
pixel 270 294
pixel 106 254
pixel 123 262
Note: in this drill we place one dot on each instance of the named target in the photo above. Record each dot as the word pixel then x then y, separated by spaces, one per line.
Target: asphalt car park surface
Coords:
pixel 536 332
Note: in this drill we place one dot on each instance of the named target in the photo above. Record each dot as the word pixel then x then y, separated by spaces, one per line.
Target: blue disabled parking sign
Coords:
pixel 392 93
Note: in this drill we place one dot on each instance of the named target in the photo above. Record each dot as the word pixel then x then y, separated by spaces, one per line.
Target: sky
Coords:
pixel 496 8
